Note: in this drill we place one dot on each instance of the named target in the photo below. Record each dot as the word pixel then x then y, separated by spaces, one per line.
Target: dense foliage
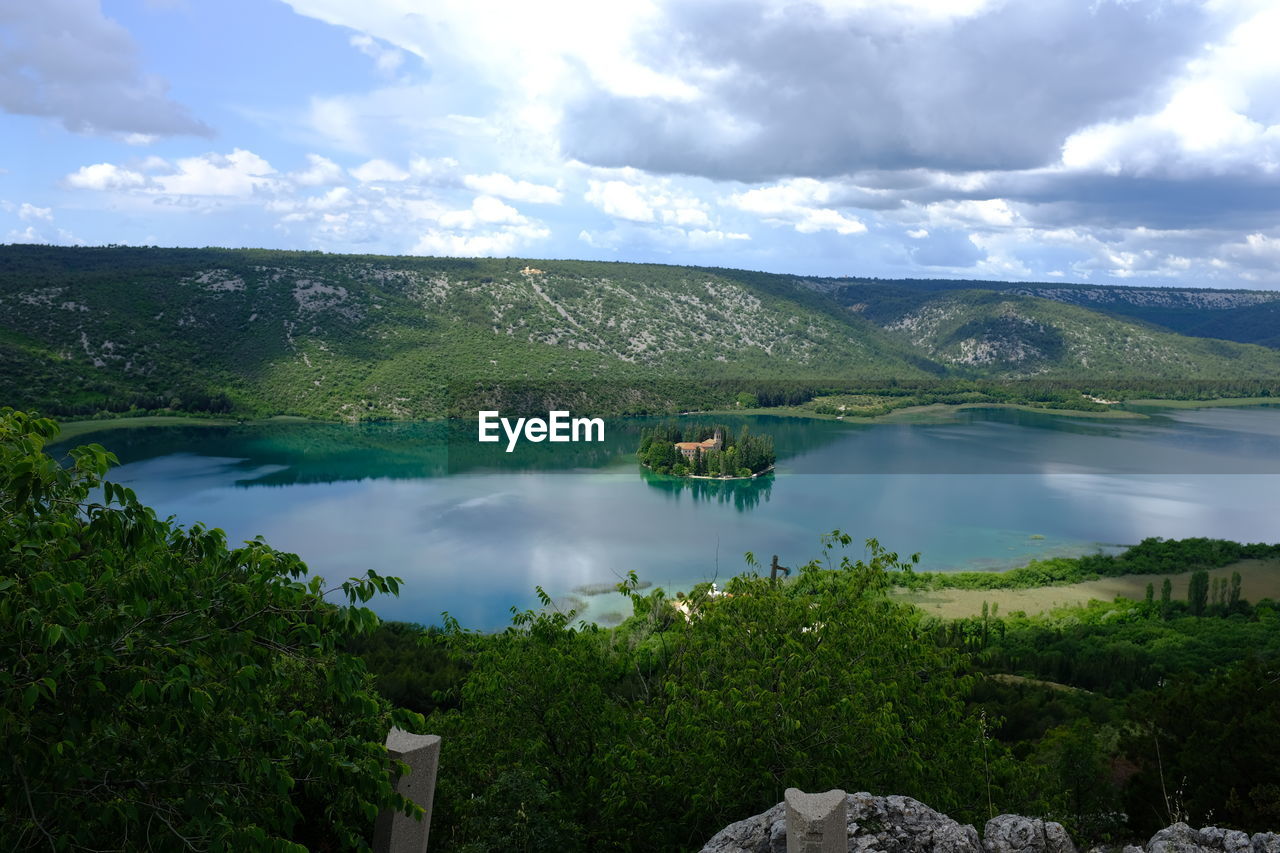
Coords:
pixel 741 454
pixel 1115 718
pixel 160 690
pixel 1142 713
pixel 653 735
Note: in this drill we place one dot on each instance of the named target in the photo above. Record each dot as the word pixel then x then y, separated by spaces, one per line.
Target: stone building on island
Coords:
pixel 690 449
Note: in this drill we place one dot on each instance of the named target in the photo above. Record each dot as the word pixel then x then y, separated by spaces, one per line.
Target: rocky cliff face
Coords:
pixel 903 825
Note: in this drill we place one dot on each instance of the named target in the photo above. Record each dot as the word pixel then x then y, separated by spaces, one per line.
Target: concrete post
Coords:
pixel 817 823
pixel 394 832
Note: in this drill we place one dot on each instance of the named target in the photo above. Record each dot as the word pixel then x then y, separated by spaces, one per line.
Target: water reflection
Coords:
pixel 742 495
pixel 472 531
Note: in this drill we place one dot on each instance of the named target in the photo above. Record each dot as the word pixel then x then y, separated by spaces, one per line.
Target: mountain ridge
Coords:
pixel 359 336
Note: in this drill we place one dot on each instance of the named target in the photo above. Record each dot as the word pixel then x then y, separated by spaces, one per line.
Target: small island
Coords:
pixel 706 452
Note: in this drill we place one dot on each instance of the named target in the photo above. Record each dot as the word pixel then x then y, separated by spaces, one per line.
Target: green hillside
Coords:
pixel 1245 316
pixel 256 332
pixel 348 336
pixel 1016 336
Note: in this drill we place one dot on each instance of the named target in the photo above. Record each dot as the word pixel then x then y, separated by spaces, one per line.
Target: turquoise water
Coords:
pixel 472 529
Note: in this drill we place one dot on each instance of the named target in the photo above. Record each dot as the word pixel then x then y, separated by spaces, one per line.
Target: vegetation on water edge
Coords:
pixel 1112 718
pixel 738 455
pixel 1152 556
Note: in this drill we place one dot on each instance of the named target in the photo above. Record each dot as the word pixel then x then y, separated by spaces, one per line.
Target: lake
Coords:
pixel 472 529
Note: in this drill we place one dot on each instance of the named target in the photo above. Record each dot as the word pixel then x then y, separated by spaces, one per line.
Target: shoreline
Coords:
pixel 75 428
pixel 929 413
pixel 768 470
pixel 1261 580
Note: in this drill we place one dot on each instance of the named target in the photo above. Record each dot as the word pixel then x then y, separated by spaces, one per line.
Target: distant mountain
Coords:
pixel 346 336
pixel 1247 316
pixel 1014 336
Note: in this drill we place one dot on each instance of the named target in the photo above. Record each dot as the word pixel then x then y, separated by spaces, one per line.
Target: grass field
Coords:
pixel 1260 579
pixel 932 413
pixel 944 411
pixel 77 429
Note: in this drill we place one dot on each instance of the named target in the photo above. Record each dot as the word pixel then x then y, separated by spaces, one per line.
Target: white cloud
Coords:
pixel 666 239
pixel 699 238
pixel 490 243
pixel 105 176
pixel 797 202
pixel 1255 251
pixel 60 237
pixel 378 170
pixel 484 210
pixel 239 173
pixel 536 50
pixel 387 60
pixel 296 209
pixel 657 201
pixel 620 200
pixel 507 187
pixel 826 219
pixel 990 213
pixel 1221 116
pixel 439 169
pixel 28 212
pixel 320 172
pixel 405 216
pixel 27 235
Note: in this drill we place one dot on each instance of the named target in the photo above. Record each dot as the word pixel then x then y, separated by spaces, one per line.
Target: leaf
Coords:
pixel 52 634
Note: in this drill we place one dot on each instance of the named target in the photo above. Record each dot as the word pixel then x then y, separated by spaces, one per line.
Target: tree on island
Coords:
pixel 737 455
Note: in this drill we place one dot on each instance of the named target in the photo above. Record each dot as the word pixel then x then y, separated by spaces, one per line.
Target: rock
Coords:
pixel 903 825
pixel 1178 838
pixel 874 825
pixel 1266 842
pixel 1229 840
pixel 1009 833
pixel 1181 838
pixel 764 833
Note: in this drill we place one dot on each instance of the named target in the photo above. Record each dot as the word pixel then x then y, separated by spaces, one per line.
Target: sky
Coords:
pixel 1110 141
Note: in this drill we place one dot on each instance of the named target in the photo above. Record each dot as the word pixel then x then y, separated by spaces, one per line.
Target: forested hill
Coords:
pixel 346 336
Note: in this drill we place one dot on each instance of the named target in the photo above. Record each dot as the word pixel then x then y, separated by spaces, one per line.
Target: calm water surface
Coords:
pixel 472 530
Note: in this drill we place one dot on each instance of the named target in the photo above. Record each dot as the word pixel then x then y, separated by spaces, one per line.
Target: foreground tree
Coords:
pixel 159 690
pixel 654 735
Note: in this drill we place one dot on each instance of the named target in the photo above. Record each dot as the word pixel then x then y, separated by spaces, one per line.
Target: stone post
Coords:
pixel 817 823
pixel 394 832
